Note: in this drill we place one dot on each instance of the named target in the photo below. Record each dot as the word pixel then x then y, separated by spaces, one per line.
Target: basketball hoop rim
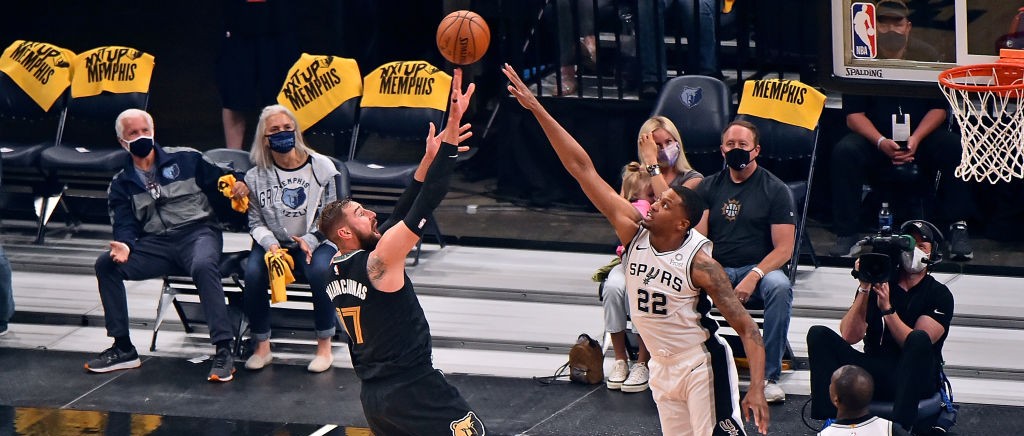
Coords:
pixel 946 77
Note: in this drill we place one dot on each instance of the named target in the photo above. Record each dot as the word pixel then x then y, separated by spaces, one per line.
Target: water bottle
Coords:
pixel 885 220
pixel 627 47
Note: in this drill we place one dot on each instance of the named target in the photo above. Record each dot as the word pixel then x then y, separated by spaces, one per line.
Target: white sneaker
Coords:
pixel 256 361
pixel 773 393
pixel 638 378
pixel 618 374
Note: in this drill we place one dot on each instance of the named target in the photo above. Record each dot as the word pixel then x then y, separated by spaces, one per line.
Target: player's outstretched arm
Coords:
pixel 708 275
pixel 623 216
pixel 386 265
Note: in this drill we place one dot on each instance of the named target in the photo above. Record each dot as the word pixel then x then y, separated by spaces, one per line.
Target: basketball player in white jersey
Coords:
pixel 670 276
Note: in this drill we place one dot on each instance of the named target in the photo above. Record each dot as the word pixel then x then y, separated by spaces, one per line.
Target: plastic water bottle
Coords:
pixel 628 66
pixel 885 220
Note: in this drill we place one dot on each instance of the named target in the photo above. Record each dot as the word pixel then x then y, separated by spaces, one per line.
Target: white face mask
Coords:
pixel 913 261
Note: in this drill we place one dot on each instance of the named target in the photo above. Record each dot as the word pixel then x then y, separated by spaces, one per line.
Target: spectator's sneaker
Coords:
pixel 638 378
pixel 619 373
pixel 843 247
pixel 828 423
pixel 223 369
pixel 773 393
pixel 113 359
pixel 4 330
pixel 960 243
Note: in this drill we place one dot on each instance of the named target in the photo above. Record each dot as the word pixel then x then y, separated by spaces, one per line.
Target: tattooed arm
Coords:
pixel 708 275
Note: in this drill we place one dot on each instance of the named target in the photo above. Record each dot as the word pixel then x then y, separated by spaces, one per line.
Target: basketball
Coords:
pixel 463 37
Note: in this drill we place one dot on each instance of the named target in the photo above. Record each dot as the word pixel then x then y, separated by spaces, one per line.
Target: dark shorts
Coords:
pixel 251 70
pixel 427 405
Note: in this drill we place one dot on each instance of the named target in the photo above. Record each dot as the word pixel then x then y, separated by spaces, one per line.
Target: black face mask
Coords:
pixel 737 158
pixel 141 146
pixel 891 41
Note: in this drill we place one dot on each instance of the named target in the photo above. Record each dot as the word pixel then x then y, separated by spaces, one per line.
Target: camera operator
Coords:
pixel 903 320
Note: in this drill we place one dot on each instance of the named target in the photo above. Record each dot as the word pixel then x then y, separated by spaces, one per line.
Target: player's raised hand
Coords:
pixel 518 89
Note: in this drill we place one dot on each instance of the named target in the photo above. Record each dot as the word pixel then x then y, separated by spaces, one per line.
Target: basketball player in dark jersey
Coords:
pixel 389 339
pixel 670 276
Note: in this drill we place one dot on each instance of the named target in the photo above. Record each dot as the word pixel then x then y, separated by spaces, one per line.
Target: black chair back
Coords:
pixel 700 107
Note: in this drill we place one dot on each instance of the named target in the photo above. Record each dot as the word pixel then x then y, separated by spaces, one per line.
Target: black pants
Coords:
pixel 194 250
pixel 903 379
pixel 856 161
pixel 425 405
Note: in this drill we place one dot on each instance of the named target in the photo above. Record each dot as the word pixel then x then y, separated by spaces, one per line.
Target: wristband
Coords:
pixel 863 290
pixel 878 143
pixel 653 170
pixel 757 271
pixel 891 311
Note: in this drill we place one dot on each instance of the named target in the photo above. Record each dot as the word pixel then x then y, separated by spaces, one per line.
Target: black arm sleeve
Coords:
pixel 435 187
pixel 402 206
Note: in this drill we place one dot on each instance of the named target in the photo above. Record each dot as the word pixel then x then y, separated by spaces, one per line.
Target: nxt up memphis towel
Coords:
pixel 42 70
pixel 113 69
pixel 786 101
pixel 316 85
pixel 407 84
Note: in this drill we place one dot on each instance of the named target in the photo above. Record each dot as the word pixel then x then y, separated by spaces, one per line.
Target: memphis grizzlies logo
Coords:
pixel 691 96
pixel 468 425
pixel 293 197
pixel 171 172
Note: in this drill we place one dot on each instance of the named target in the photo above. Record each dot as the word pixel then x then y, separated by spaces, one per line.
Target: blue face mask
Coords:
pixel 141 146
pixel 283 141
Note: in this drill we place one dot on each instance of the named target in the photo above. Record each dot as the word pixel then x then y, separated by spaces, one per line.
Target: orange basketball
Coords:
pixel 463 37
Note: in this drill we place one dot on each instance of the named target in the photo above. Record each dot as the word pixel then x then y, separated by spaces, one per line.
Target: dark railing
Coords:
pixel 625 49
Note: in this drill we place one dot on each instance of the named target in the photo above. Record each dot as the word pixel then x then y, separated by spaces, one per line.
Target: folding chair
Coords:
pixel 399 101
pixel 786 114
pixel 87 155
pixel 31 116
pixel 700 107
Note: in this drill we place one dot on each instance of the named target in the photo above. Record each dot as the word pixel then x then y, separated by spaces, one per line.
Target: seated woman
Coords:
pixel 290 183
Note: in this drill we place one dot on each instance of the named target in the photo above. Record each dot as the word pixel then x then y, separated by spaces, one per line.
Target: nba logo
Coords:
pixel 863 29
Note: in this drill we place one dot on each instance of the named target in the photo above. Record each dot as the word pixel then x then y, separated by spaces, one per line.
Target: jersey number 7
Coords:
pixel 356 330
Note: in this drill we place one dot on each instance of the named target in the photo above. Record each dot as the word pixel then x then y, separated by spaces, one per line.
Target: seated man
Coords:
pixel 850 390
pixel 163 222
pixel 903 322
pixel 751 219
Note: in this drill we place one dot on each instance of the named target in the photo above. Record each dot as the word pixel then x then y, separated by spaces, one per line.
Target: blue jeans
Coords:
pixel 651 15
pixel 6 292
pixel 776 295
pixel 194 250
pixel 257 281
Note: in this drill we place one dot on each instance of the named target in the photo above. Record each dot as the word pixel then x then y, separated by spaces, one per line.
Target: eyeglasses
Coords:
pixel 154 189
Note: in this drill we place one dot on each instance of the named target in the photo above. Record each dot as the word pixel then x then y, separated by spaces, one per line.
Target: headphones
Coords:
pixel 937 239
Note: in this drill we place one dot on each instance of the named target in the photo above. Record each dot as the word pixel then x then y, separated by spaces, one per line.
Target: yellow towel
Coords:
pixel 119 70
pixel 42 70
pixel 226 185
pixel 787 101
pixel 727 6
pixel 318 84
pixel 279 265
pixel 407 84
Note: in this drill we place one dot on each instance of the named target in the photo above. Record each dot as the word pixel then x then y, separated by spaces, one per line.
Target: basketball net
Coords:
pixel 985 100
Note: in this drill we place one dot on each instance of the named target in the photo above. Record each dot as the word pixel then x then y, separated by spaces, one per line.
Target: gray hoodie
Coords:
pixel 265 222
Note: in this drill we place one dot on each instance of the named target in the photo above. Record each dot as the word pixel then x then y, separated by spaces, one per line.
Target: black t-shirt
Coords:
pixel 388 334
pixel 880 109
pixel 929 298
pixel 740 215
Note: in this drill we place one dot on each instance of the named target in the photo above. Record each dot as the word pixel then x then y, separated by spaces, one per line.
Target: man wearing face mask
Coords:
pixel 903 324
pixel 894 34
pixel 902 147
pixel 162 222
pixel 751 219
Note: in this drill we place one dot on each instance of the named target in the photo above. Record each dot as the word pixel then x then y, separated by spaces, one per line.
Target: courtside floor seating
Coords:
pixel 26 129
pixel 87 154
pixel 700 108
pixel 786 113
pixel 179 290
pixel 400 100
